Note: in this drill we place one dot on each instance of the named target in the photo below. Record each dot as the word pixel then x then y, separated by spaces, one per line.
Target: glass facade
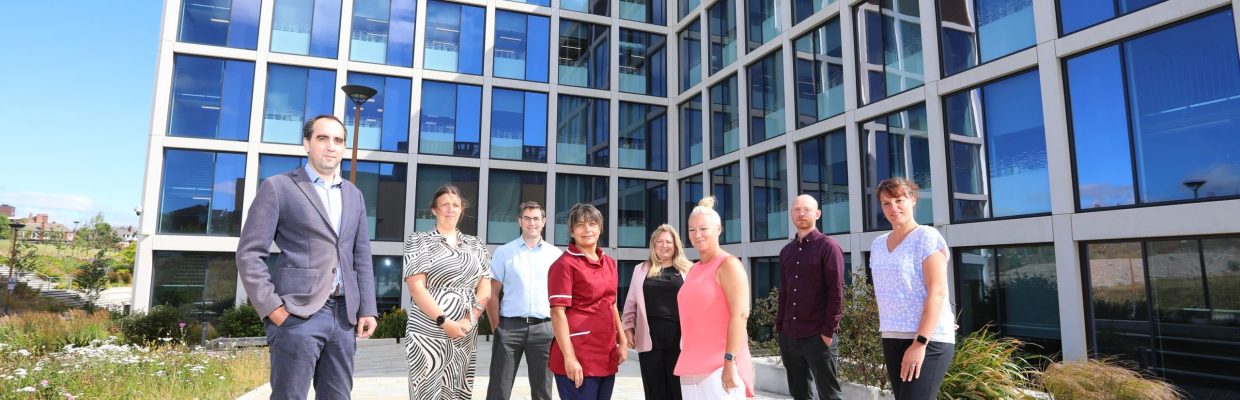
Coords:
pixel 383 32
pixel 522 43
pixel 201 284
pixel 765 276
pixel 819 72
pixel 573 189
pixel 454 37
pixel 642 207
pixel 200 193
pixel 229 23
pixel 388 281
pixel 690 192
pixel 211 98
pixel 824 175
pixel 387 131
pixel 643 137
pixel 383 188
pixel 596 7
pixel 505 193
pixel 584 55
pixel 294 96
pixel 725 118
pixel 643 63
pixel 762 21
pixel 977 31
pixel 766 98
pixel 691 132
pixel 518 125
pixel 896 145
pixel 686 6
pixel 722 25
pixel 430 179
pixel 451 119
pixel 581 137
pixel 690 56
pixel 768 197
pixel 994 287
pixel 725 185
pixel 648 11
pixel 269 165
pixel 306 27
pixel 889 58
pixel 802 9
pixel 1075 15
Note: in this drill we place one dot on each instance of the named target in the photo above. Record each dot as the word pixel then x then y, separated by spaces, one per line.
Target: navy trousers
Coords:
pixel 592 388
pixel 316 350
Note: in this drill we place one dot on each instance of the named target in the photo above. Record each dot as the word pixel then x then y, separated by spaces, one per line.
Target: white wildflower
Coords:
pixel 20 372
pixel 27 389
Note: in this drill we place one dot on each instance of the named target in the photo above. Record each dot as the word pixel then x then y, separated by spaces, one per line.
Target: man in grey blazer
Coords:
pixel 319 296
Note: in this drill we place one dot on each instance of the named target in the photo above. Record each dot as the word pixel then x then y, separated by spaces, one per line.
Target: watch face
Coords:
pixel 922 339
pixel 728 357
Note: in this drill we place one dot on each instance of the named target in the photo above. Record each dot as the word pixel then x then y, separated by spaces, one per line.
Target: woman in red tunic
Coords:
pixel 581 287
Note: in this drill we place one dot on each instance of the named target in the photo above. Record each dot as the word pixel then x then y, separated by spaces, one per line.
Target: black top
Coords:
pixel 662 312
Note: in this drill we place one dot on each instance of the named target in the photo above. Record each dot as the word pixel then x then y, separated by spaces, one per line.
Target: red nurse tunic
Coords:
pixel 588 291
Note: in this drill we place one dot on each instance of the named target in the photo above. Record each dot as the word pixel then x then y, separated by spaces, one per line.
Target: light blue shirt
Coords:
pixel 900 285
pixel 523 273
pixel 330 194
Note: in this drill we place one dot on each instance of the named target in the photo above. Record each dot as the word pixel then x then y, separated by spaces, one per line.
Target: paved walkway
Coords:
pixel 381 374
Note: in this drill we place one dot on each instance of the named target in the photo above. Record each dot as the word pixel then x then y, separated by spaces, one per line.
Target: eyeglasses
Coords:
pixel 531 219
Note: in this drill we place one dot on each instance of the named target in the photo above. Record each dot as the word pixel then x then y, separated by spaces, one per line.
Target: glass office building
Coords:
pixel 1082 157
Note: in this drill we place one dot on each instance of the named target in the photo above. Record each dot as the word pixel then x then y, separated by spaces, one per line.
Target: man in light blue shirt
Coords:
pixel 520 317
pixel 329 194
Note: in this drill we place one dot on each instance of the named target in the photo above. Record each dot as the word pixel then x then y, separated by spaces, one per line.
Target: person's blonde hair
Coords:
pixel 679 260
pixel 706 207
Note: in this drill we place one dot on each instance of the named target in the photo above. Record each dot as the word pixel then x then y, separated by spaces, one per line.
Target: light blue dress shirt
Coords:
pixel 523 273
pixel 330 194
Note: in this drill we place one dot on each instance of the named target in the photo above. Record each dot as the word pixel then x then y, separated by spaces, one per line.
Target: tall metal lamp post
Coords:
pixel 1194 185
pixel 358 94
pixel 12 264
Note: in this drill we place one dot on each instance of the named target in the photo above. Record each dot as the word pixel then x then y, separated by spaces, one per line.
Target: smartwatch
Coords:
pixel 440 320
pixel 922 339
pixel 728 357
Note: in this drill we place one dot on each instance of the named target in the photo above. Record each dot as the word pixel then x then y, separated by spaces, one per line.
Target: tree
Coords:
pixel 92 278
pixel 4 227
pixel 26 258
pixel 125 259
pixel 97 234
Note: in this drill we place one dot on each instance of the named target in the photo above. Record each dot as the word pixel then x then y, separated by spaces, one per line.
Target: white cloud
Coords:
pixel 60 207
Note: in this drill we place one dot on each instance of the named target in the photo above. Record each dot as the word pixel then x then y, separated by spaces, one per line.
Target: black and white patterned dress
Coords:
pixel 440 367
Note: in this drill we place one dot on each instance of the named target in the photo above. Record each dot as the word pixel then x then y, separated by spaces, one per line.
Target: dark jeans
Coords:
pixel 514 338
pixel 592 388
pixel 318 349
pixel 810 357
pixel 933 369
pixel 658 373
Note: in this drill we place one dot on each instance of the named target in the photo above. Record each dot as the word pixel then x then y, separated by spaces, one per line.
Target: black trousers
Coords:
pixel 933 368
pixel 658 378
pixel 810 357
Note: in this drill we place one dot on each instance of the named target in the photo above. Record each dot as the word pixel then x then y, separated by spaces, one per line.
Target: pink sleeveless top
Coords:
pixel 704 325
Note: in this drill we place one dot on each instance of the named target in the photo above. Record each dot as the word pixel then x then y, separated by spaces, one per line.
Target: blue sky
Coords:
pixel 79 147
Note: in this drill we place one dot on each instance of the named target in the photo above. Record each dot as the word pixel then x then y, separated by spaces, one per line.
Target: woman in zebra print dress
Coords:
pixel 448 274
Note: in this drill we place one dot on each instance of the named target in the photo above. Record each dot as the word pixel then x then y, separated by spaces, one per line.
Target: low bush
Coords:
pixel 861 346
pixel 987 367
pixel 242 321
pixel 1104 379
pixel 162 324
pixel 391 324
pixel 40 333
pixel 762 340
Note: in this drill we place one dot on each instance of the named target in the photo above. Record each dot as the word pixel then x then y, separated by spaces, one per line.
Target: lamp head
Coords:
pixel 1194 184
pixel 358 93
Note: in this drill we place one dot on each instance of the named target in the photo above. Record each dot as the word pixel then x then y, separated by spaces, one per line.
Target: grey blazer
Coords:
pixel 288 211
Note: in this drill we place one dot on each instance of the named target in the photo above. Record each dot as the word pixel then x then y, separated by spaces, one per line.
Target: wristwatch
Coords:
pixel 440 320
pixel 728 357
pixel 922 339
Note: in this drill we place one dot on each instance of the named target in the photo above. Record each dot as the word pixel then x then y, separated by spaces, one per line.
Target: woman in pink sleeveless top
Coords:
pixel 714 306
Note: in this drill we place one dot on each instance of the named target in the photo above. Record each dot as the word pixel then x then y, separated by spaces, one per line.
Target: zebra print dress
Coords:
pixel 440 367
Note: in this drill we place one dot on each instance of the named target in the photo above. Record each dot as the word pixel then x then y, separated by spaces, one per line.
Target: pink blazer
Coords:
pixel 634 316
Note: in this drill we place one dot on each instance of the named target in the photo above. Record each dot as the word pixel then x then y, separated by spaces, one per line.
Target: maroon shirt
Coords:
pixel 587 289
pixel 811 287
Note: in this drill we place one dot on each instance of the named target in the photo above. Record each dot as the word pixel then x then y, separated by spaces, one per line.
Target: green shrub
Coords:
pixel 41 332
pixel 242 321
pixel 761 324
pixel 162 324
pixel 1104 379
pixel 391 324
pixel 861 347
pixel 986 366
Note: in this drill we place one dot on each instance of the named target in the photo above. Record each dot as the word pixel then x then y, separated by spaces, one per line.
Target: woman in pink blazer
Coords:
pixel 651 316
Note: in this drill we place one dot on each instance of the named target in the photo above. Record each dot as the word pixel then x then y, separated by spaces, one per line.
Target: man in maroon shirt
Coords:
pixel 811 299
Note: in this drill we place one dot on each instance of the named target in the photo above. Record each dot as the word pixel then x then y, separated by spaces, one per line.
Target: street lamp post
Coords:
pixel 1194 185
pixel 358 94
pixel 12 263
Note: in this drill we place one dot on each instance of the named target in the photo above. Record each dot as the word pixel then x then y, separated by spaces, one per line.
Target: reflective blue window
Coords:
pixel 294 95
pixel 211 98
pixel 642 207
pixel 643 136
pixel 722 24
pixel 820 74
pixel 896 145
pixel 385 117
pixel 383 32
pixel 430 179
pixel 581 136
pixel 451 119
pixel 993 286
pixel 766 97
pixel 643 63
pixel 998 150
pixel 824 175
pixel 454 37
pixel 691 132
pixel 768 196
pixel 270 165
pixel 518 125
pixel 596 7
pixel 544 3
pixel 1180 139
pixel 762 21
pixel 202 285
pixel 306 27
pixel 685 6
pixel 977 31
pixel 521 46
pixel 690 56
pixel 383 187
pixel 201 193
pixel 573 189
pixel 889 52
pixel 506 191
pixel 648 11
pixel 584 51
pixel 802 9
pixel 690 193
pixel 725 185
pixel 765 277
pixel 231 23
pixel 725 118
pixel 1075 15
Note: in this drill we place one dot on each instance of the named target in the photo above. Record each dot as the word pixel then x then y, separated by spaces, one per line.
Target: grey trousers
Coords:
pixel 809 359
pixel 514 338
pixel 316 350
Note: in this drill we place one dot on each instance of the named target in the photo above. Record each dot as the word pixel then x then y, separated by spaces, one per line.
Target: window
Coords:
pixel 690 194
pixel 643 137
pixel 518 125
pixel 388 281
pixel 451 119
pixel 200 284
pixel 231 23
pixel 383 187
pixel 387 131
pixel 766 98
pixel 768 191
pixel 994 287
pixel 819 72
pixel 454 37
pixel 430 179
pixel 505 193
pixel 888 48
pixel 1075 15
pixel 211 98
pixel 978 31
pixel 584 51
pixel 725 185
pixel 306 27
pixel 643 63
pixel 722 26
pixel 762 19
pixel 383 32
pixel 294 96
pixel 573 189
pixel 201 193
pixel 521 46
pixel 725 118
pixel 685 6
pixel 997 144
pixel 648 11
pixel 581 136
pixel 1177 140
pixel 544 3
pixel 690 56
pixel 802 9
pixel 625 269
pixel 642 208
pixel 765 277
pixel 896 145
pixel 596 7
pixel 270 165
pixel 824 175
pixel 691 132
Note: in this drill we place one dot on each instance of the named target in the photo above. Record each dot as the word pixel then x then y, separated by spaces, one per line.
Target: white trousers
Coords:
pixel 710 387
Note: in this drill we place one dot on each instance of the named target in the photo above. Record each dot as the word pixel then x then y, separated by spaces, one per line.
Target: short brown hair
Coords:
pixel 448 189
pixel 582 213
pixel 532 205
pixel 308 128
pixel 896 187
